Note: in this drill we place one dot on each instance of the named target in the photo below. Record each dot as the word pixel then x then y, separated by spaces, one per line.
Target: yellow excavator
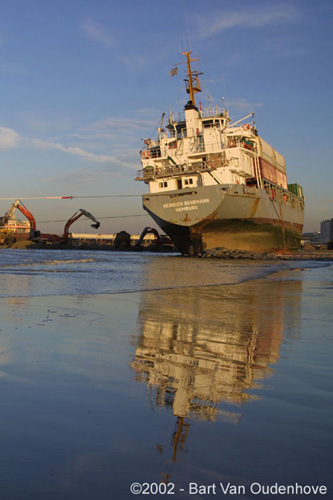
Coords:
pixel 7 236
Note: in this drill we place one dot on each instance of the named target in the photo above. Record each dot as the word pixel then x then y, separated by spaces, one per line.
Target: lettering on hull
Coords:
pixel 186 205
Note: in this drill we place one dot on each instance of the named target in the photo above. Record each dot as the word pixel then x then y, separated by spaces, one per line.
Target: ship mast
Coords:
pixel 193 77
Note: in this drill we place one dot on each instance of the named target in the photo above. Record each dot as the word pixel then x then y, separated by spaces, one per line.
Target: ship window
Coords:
pixel 163 184
pixel 155 152
pixel 187 182
pixel 208 123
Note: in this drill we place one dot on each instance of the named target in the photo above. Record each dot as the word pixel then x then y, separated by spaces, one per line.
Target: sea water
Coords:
pixel 130 374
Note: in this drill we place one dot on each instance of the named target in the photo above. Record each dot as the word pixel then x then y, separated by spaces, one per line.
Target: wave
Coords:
pixel 46 263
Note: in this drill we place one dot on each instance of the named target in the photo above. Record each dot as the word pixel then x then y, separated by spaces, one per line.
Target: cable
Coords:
pixel 73 197
pixel 110 217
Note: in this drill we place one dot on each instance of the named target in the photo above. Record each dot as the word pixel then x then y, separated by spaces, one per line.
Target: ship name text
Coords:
pixel 181 206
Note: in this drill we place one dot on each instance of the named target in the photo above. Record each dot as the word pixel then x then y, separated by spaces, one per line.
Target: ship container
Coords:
pixel 296 189
pixel 272 164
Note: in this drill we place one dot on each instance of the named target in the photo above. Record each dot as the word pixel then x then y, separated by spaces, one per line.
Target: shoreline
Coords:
pixel 217 253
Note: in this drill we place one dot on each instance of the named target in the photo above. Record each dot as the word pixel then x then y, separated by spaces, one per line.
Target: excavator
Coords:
pixel 7 235
pixel 149 230
pixel 160 243
pixel 56 238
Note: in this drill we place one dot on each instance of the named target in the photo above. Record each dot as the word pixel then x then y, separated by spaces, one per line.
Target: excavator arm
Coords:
pixel 23 209
pixel 149 230
pixel 75 217
pixel 36 235
pixel 9 214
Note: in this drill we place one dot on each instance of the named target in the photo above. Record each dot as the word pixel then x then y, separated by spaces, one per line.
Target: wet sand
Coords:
pixel 203 385
pixel 309 252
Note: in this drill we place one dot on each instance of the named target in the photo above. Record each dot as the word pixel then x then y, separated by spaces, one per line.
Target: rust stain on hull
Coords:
pixel 239 222
pixel 254 207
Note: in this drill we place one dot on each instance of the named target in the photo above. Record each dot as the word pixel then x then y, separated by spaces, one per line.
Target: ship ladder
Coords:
pixel 257 170
pixel 282 224
pixel 283 229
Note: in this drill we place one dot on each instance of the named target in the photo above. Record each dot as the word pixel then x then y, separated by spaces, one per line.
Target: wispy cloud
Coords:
pixel 78 151
pixel 112 141
pixel 82 176
pixel 108 126
pixel 134 62
pixel 98 33
pixel 243 105
pixel 252 17
pixel 116 136
pixel 8 138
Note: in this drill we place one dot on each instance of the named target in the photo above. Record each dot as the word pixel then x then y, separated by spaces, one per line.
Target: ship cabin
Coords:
pixel 201 147
pixel 198 148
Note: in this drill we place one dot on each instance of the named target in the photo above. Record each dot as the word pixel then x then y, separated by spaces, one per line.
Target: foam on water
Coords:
pixel 64 272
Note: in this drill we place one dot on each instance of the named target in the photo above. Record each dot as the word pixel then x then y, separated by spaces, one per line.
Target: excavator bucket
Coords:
pixel 90 216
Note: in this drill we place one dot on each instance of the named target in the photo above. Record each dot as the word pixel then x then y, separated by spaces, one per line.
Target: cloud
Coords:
pixel 8 138
pixel 108 126
pixel 75 150
pixel 244 105
pixel 136 63
pixel 98 33
pixel 253 18
pixel 81 176
pixel 115 135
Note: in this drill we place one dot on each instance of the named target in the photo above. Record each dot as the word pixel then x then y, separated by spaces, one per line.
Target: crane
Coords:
pixel 56 238
pixel 74 218
pixel 6 236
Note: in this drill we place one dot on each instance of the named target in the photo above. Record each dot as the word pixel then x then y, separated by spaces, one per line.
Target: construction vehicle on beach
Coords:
pixel 160 242
pixel 7 236
pixel 64 238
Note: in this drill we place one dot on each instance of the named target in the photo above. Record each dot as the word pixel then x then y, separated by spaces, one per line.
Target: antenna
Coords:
pixel 193 84
pixel 188 29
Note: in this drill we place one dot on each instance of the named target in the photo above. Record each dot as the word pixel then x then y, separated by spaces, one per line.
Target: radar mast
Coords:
pixel 193 84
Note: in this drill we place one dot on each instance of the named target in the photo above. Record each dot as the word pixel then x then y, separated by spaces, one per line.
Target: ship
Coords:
pixel 214 183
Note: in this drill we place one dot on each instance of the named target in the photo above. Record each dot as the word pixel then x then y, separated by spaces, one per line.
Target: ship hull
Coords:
pixel 229 216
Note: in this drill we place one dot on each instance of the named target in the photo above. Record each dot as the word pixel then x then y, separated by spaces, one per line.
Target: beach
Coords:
pixel 125 374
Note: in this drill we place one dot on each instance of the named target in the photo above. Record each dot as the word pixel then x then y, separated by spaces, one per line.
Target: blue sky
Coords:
pixel 83 81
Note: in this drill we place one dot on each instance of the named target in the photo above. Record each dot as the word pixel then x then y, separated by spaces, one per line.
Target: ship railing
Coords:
pixel 205 112
pixel 282 195
pixel 150 173
pixel 194 148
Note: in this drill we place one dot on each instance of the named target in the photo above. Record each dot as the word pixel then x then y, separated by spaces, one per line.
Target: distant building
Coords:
pixel 19 227
pixel 326 230
pixel 314 237
pixel 79 238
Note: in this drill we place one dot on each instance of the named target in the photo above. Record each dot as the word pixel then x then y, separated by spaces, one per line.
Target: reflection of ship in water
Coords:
pixel 201 350
pixel 195 362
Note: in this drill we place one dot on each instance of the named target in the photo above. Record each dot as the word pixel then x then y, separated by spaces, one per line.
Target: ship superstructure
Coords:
pixel 213 183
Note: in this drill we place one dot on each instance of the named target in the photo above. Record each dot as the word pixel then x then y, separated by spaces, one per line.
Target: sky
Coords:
pixel 84 81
